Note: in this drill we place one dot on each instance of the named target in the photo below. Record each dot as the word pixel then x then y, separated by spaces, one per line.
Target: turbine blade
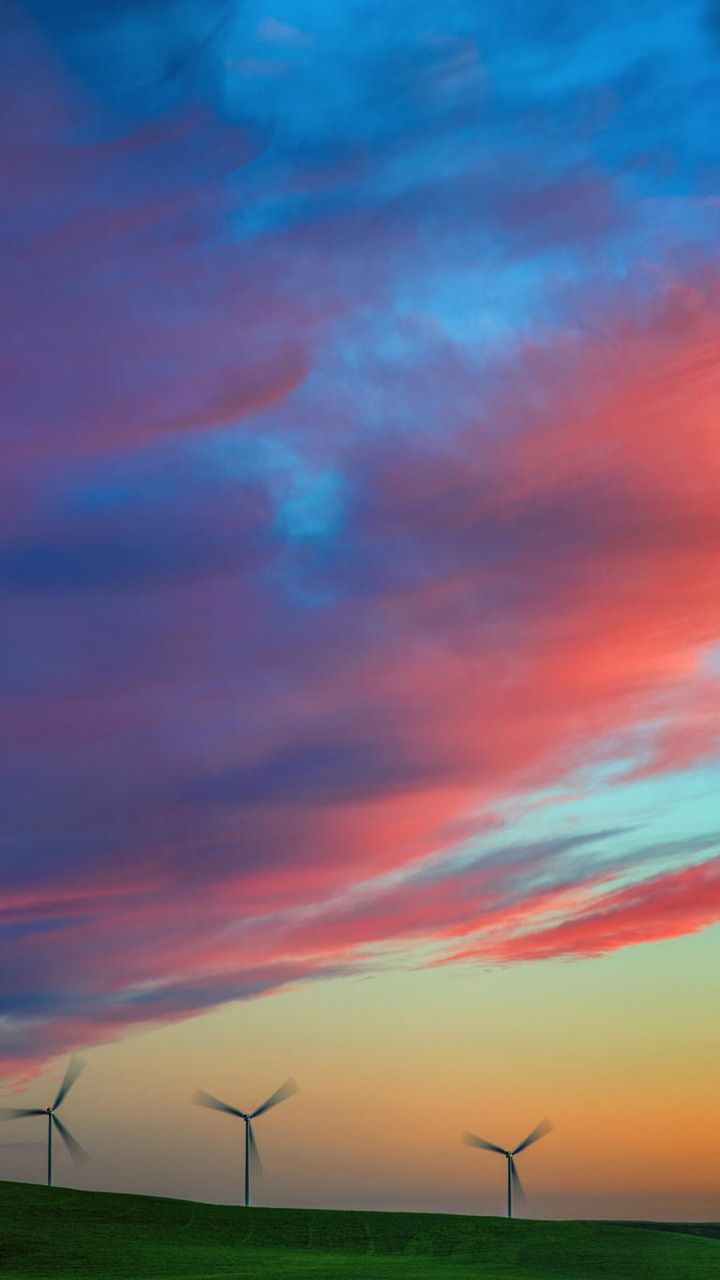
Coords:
pixel 286 1090
pixel 518 1191
pixel 471 1141
pixel 78 1153
pixel 74 1067
pixel 255 1161
pixel 14 1113
pixel 538 1132
pixel 203 1099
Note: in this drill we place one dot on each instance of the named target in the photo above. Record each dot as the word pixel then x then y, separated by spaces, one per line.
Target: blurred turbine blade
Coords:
pixel 286 1090
pixel 74 1067
pixel 202 1099
pixel 518 1191
pixel 14 1113
pixel 78 1153
pixel 538 1132
pixel 255 1161
pixel 471 1141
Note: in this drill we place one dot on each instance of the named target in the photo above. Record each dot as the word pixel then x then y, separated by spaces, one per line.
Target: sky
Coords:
pixel 360 594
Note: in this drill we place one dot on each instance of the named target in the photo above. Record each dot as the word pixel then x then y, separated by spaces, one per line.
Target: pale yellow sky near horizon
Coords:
pixel 620 1052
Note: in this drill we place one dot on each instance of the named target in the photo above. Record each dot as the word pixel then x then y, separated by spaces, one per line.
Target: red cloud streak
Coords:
pixel 667 906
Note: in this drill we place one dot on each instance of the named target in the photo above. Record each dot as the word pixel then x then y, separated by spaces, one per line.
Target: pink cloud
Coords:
pixel 667 906
pixel 476 703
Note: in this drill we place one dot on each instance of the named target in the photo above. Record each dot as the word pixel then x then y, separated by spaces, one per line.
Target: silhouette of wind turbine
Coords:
pixel 79 1155
pixel 513 1177
pixel 252 1157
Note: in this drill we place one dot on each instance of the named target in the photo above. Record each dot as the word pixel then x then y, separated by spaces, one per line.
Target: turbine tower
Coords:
pixel 75 1066
pixel 513 1177
pixel 252 1157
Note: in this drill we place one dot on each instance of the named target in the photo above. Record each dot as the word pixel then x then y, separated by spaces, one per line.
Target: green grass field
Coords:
pixel 54 1235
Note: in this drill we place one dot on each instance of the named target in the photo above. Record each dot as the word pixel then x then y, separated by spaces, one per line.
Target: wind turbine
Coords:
pixel 513 1177
pixel 79 1155
pixel 252 1157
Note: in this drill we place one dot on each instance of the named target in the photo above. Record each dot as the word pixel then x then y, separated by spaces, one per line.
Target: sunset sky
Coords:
pixel 360 595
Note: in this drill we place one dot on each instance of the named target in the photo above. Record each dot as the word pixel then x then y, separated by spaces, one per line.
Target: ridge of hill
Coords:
pixel 58 1234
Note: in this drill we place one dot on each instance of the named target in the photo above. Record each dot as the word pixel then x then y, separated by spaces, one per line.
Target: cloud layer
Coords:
pixel 360 479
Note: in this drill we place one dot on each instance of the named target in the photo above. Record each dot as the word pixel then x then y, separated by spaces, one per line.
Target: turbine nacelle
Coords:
pixel 252 1156
pixel 513 1177
pixel 78 1154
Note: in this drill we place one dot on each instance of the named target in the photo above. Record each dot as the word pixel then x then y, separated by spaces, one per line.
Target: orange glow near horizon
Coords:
pixel 619 1053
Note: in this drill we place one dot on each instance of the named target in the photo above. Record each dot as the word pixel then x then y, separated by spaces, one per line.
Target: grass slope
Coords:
pixel 55 1235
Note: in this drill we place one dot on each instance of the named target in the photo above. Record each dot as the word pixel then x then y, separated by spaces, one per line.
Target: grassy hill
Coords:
pixel 54 1235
